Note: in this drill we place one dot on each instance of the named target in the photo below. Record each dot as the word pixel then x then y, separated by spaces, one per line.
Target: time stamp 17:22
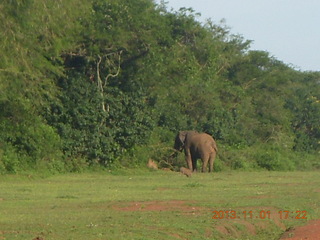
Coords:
pixel 262 214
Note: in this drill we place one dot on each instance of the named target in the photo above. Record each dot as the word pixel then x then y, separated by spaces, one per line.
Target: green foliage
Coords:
pixel 33 35
pixel 27 140
pixel 271 159
pixel 305 106
pixel 111 82
pixel 9 159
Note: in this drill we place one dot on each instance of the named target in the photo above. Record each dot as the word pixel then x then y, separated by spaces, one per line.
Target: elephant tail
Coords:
pixel 214 145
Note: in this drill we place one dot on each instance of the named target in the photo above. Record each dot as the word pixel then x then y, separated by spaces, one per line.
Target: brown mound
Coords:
pixel 311 231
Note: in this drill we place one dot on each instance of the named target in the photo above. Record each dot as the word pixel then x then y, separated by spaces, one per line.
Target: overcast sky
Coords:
pixel 288 29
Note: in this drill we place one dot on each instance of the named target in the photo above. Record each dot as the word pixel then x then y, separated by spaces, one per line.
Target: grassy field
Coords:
pixel 157 205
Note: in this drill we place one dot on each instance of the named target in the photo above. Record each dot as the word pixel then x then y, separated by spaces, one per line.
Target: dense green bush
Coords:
pixel 110 83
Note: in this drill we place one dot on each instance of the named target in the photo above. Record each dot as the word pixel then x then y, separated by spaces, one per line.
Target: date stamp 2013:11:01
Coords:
pixel 262 214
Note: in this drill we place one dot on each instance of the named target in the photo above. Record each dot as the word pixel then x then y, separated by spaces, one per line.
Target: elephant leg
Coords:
pixel 205 160
pixel 194 164
pixel 211 160
pixel 188 159
pixel 189 162
pixel 204 165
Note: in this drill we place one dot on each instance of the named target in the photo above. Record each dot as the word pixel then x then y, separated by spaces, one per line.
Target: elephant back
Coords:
pixel 204 140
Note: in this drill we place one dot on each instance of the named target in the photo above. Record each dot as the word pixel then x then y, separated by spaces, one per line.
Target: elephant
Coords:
pixel 196 145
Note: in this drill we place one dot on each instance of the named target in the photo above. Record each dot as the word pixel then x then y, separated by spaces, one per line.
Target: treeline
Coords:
pixel 108 83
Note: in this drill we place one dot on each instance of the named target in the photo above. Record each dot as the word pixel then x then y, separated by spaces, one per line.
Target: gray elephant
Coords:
pixel 197 145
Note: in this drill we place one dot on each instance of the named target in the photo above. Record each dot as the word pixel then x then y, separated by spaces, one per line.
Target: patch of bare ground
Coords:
pixel 249 225
pixel 175 205
pixel 311 231
pixel 231 228
pixel 38 238
pixel 274 217
pixel 177 236
pixel 228 227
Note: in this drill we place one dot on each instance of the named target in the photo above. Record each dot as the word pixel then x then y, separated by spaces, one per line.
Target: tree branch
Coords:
pixel 100 85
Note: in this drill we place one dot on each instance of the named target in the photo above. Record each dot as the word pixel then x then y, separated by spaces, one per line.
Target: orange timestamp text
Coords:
pixel 262 214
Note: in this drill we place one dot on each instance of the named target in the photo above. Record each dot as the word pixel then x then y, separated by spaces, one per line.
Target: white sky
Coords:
pixel 288 29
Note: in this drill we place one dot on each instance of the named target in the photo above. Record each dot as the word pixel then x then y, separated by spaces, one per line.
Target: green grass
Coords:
pixel 109 206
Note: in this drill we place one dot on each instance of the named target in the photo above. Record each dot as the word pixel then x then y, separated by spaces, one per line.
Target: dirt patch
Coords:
pixel 38 238
pixel 311 231
pixel 263 223
pixel 182 206
pixel 228 228
pixel 250 225
pixel 177 236
pixel 231 228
